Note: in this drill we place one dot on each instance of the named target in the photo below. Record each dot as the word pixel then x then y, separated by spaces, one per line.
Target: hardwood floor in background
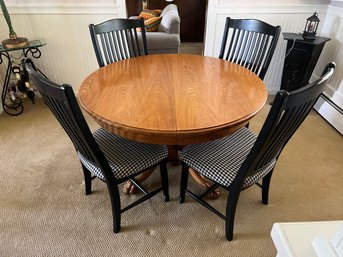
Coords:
pixel 191 48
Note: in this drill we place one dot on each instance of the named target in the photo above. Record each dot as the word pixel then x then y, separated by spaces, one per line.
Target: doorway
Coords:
pixel 192 14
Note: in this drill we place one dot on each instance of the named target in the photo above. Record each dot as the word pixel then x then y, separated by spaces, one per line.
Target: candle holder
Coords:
pixel 311 27
pixel 13 41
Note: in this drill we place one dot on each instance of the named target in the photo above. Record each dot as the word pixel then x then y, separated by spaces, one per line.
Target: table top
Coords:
pixel 172 99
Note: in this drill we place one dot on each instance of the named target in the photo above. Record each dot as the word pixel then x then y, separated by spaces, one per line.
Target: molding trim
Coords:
pixel 272 8
pixel 334 10
pixel 63 9
pixel 332 103
pixel 334 96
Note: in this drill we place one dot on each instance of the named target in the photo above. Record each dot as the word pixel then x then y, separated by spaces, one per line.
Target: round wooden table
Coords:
pixel 172 99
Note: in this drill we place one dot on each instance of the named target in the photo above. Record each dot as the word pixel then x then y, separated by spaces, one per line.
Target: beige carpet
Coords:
pixel 44 212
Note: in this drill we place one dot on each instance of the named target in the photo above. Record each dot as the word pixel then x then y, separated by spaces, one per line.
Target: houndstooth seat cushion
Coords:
pixel 126 157
pixel 220 160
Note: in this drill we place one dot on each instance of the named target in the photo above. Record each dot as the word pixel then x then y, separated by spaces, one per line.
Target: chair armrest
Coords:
pixel 170 23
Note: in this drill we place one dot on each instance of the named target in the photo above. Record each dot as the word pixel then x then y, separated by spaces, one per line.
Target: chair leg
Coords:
pixel 164 180
pixel 230 212
pixel 265 187
pixel 115 204
pixel 184 182
pixel 88 180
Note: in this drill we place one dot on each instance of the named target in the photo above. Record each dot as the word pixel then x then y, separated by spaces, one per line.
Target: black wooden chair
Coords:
pixel 250 43
pixel 242 159
pixel 117 39
pixel 103 155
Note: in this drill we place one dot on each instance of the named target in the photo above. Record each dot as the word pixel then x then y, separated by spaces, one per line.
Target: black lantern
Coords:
pixel 311 27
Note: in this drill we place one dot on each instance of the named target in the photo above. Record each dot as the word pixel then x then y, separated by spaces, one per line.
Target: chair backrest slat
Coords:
pixel 250 43
pixel 107 46
pixel 117 39
pixel 115 45
pixel 136 43
pixel 260 54
pixel 287 113
pixel 122 45
pixel 250 49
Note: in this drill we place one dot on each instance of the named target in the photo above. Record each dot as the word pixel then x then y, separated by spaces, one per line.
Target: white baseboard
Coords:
pixel 331 112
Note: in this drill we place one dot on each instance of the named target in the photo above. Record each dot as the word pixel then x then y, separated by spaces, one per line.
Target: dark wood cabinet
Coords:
pixel 300 61
pixel 192 14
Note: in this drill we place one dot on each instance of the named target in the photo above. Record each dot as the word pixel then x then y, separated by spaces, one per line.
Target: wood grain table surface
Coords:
pixel 172 99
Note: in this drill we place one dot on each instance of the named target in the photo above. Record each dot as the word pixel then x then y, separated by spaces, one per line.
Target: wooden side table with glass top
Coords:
pixel 11 97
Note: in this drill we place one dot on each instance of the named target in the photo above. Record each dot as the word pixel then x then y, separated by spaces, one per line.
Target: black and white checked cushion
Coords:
pixel 126 157
pixel 220 160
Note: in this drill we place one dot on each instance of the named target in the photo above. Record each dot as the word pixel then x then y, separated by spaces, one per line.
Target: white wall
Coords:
pixel 291 16
pixel 337 3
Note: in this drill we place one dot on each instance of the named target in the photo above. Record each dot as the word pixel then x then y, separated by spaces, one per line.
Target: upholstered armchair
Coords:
pixel 167 37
